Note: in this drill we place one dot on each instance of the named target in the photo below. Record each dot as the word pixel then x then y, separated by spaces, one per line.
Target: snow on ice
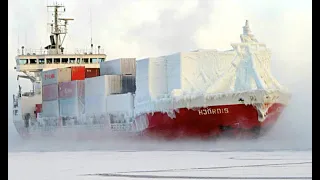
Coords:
pixel 159 165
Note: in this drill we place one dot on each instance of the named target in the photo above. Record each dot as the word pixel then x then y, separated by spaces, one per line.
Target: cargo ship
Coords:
pixel 201 93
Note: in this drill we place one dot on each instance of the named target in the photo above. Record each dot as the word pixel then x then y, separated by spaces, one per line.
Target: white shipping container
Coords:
pixel 103 85
pixel 71 107
pixel 120 103
pixel 142 81
pixel 95 105
pixel 120 66
pixel 158 77
pixel 56 76
pixel 196 71
pixel 50 108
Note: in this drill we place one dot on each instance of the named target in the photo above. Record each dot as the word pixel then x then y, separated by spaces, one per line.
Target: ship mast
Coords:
pixel 57 29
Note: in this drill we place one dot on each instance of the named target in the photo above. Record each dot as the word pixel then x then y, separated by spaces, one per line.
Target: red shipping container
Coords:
pixel 67 89
pixel 92 72
pixel 50 92
pixel 78 73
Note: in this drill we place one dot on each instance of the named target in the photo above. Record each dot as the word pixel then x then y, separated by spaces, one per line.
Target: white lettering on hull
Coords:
pixel 208 111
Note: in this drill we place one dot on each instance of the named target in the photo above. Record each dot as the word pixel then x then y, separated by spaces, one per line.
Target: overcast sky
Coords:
pixel 137 28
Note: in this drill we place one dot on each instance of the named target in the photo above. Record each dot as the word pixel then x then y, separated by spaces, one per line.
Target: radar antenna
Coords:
pixel 57 29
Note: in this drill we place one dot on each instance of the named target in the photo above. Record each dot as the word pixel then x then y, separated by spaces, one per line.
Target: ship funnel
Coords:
pixel 22 50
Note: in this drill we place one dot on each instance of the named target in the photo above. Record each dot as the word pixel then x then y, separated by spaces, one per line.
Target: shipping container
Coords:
pixel 56 76
pixel 71 107
pixel 50 108
pixel 158 84
pixel 71 98
pixel 67 89
pixel 103 85
pixel 78 73
pixel 128 84
pixel 92 72
pixel 120 108
pixel 197 71
pixel 122 66
pixel 95 105
pixel 142 81
pixel 120 103
pixel 49 92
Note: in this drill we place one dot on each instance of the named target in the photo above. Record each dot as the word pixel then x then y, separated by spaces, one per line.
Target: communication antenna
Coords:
pixel 91 30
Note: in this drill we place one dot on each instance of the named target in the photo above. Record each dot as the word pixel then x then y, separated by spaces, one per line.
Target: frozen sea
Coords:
pixel 159 165
pixel 121 159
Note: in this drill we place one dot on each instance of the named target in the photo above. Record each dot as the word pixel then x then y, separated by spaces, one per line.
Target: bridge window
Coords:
pixel 49 61
pixel 72 60
pixel 33 61
pixel 23 61
pixel 64 60
pixel 78 60
pixel 41 61
pixel 56 61
pixel 86 60
pixel 97 60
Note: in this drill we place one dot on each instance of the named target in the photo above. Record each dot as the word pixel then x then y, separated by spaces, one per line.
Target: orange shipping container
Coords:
pixel 77 73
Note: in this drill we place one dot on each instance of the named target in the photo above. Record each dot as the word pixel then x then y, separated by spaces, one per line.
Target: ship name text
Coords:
pixel 208 111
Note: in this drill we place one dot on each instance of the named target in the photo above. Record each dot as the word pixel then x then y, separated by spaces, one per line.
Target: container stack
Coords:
pixel 71 95
pixel 125 71
pixel 71 99
pixel 50 81
pixel 152 84
pixel 123 67
pixel 96 91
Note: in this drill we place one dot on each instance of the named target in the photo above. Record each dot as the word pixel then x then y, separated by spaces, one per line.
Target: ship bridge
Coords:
pixel 38 60
pixel 32 62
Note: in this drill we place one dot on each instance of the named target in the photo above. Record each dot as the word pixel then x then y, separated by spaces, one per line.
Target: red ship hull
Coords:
pixel 237 120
